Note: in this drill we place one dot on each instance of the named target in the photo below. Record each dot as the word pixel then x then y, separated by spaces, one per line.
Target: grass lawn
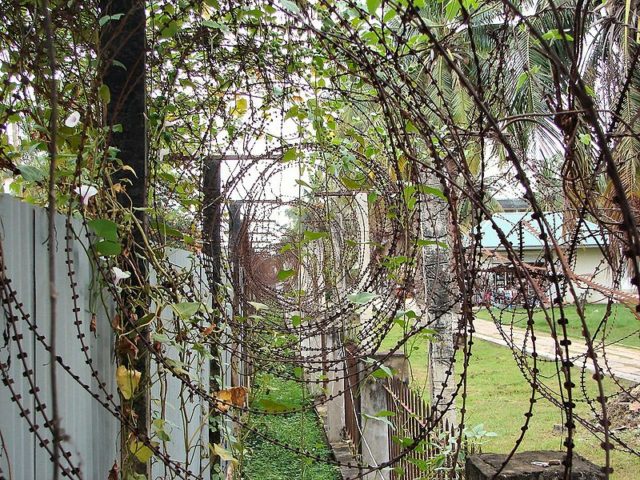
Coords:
pixel 621 327
pixel 265 461
pixel 498 397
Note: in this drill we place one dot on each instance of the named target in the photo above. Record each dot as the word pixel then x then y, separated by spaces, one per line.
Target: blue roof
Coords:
pixel 508 223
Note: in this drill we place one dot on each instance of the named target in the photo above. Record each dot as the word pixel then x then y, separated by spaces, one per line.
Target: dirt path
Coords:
pixel 621 362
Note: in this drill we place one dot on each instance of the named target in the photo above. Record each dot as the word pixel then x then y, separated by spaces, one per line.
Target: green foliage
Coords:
pixel 266 461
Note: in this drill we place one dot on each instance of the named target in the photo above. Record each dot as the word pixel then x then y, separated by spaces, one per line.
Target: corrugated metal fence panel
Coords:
pixel 184 412
pixel 16 234
pixel 92 430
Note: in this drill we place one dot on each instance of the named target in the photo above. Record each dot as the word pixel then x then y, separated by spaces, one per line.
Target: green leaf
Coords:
pixel 585 139
pixel 160 337
pixel 285 274
pixel 31 174
pixel 223 453
pixel 105 93
pixel 259 306
pixel 302 183
pixel 290 6
pixel 186 310
pixel 383 372
pixel 310 236
pixel 170 30
pixel 555 34
pixel 271 406
pixel 296 321
pixel 426 190
pixel 141 451
pixel 104 228
pixel 362 298
pixel 292 112
pixel 107 18
pixel 426 243
pixel 166 231
pixel 159 427
pixel 298 372
pixel 108 248
pixel 351 184
pixel 373 5
pixel 380 419
pixel 385 413
pixel 290 155
pixel 452 9
pixel 411 128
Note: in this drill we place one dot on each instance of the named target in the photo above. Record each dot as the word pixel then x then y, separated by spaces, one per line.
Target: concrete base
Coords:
pixel 341 450
pixel 542 465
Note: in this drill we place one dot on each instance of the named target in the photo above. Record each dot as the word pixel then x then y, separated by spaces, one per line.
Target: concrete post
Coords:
pixel 375 433
pixel 335 406
pixel 373 399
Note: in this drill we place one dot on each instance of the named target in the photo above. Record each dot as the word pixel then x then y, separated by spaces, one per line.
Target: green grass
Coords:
pixel 622 327
pixel 498 397
pixel 264 460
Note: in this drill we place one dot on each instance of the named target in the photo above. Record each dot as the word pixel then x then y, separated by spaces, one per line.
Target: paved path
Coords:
pixel 622 362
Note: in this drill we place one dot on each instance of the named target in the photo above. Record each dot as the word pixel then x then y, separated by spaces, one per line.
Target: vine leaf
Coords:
pixel 373 5
pixel 186 310
pixel 362 298
pixel 141 451
pixel 271 406
pixel 291 6
pixel 259 306
pixel 127 381
pixel 107 248
pixel 310 236
pixel 223 453
pixel 105 229
pixel 290 155
pixel 285 274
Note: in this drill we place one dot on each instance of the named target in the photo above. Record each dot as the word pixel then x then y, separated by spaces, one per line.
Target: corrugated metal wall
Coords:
pixel 185 414
pixel 93 432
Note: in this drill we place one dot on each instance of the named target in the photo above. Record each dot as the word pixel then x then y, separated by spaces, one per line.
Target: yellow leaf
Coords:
pixel 127 381
pixel 223 453
pixel 141 451
pixel 240 108
pixel 234 396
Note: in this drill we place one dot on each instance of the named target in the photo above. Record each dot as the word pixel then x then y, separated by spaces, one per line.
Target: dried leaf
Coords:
pixel 126 348
pixel 117 323
pixel 127 381
pixel 234 396
pixel 114 473
pixel 93 325
pixel 208 330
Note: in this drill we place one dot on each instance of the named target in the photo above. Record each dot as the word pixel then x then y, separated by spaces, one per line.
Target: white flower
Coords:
pixel 72 120
pixel 86 192
pixel 119 275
